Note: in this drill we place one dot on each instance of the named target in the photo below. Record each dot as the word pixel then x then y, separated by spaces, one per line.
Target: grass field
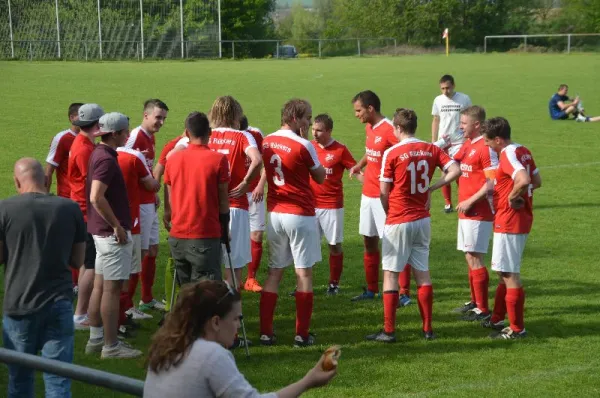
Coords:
pixel 560 269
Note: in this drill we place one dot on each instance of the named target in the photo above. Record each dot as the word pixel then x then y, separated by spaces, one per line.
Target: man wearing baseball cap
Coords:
pixel 79 156
pixel 109 222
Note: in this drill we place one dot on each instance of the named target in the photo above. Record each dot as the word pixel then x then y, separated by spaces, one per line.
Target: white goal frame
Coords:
pixel 524 37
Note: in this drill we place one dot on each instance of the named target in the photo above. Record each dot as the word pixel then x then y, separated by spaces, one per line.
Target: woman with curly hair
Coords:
pixel 188 355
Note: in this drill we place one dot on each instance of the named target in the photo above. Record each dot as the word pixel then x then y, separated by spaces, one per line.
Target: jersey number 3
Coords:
pixel 422 168
pixel 278 178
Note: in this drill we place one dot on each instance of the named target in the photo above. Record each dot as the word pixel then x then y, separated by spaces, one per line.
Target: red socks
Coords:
pixel 404 280
pixel 499 312
pixel 479 285
pixel 515 303
pixel 268 301
pixel 447 192
pixel 425 300
pixel 133 282
pixel 336 265
pixel 390 302
pixel 148 271
pixel 75 276
pixel 123 306
pixel 257 249
pixel 304 309
pixel 473 297
pixel 371 263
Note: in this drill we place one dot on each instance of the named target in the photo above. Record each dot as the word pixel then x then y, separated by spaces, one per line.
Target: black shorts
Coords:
pixel 90 252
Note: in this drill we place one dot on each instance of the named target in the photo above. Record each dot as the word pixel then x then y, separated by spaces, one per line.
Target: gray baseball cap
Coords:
pixel 112 122
pixel 88 115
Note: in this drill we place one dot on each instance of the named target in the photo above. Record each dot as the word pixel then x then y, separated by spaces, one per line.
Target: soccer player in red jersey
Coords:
pixel 256 211
pixel 290 161
pixel 226 138
pixel 58 159
pixel 142 139
pixel 478 164
pixel 79 156
pixel 137 178
pixel 517 177
pixel 329 196
pixel 406 172
pixel 380 136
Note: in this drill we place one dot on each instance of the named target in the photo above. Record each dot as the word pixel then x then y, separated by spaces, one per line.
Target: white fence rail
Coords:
pixel 568 37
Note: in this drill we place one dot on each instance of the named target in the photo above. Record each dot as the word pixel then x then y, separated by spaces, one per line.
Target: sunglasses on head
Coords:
pixel 230 292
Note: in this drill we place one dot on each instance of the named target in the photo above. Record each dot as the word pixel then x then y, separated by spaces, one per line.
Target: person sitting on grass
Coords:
pixel 561 110
pixel 188 355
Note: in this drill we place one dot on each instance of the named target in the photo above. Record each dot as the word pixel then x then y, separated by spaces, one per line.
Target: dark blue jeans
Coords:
pixel 50 331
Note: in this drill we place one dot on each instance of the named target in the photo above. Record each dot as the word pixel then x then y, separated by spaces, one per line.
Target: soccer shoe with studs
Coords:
pixel 468 306
pixel 428 335
pixel 382 337
pixel 488 324
pixel 366 295
pixel 508 334
pixel 403 300
pixel 476 315
pixel 448 209
pixel 333 289
pixel 252 285
pixel 240 343
pixel 300 341
pixel 268 340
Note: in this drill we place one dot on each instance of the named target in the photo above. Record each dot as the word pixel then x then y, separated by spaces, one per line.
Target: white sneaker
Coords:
pixel 137 314
pixel 581 118
pixel 120 350
pixel 93 346
pixel 157 305
pixel 83 324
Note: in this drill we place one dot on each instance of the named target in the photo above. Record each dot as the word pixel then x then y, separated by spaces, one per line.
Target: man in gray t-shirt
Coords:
pixel 42 236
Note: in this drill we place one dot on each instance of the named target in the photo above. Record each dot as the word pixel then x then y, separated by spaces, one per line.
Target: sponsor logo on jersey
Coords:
pixel 473 152
pixel 378 140
pixel 329 157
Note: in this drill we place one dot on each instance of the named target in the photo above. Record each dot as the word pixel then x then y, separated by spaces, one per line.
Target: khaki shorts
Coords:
pixel 113 260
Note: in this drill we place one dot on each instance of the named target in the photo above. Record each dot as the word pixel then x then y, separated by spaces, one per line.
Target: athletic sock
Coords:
pixel 336 265
pixel 257 249
pixel 425 300
pixel 148 271
pixel 96 332
pixel 515 301
pixel 123 306
pixel 371 263
pixel 390 303
pixel 471 286
pixel 75 276
pixel 447 192
pixel 499 312
pixel 404 280
pixel 304 309
pixel 169 271
pixel 133 282
pixel 268 301
pixel 480 278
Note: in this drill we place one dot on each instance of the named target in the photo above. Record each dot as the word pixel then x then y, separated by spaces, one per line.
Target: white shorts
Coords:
pixel 239 227
pixel 136 257
pixel 507 252
pixel 148 225
pixel 451 150
pixel 473 236
pixel 372 217
pixel 113 260
pixel 331 225
pixel 293 239
pixel 256 210
pixel 406 243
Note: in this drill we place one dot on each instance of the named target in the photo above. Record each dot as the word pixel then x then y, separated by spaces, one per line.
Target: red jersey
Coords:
pixel 288 159
pixel 234 144
pixel 258 137
pixel 169 146
pixel 141 140
pixel 409 166
pixel 79 157
pixel 335 158
pixel 58 156
pixel 194 176
pixel 475 159
pixel 134 169
pixel 379 138
pixel 508 220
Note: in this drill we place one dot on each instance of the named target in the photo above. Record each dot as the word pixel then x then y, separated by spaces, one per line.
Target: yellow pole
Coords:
pixel 447 44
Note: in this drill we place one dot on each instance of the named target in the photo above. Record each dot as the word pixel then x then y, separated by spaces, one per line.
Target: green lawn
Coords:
pixel 560 269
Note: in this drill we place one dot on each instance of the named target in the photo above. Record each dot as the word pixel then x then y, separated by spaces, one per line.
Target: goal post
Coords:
pixel 568 37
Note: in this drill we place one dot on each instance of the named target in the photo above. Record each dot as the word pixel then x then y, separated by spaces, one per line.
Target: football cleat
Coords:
pixel 240 343
pixel 508 334
pixel 299 341
pixel 267 340
pixel 476 315
pixel 448 209
pixel 333 289
pixel 488 324
pixel 366 295
pixel 468 306
pixel 382 337
pixel 429 335
pixel 403 300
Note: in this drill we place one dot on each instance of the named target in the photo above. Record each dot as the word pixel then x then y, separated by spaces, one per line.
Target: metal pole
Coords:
pixel 233 50
pixel 568 44
pixel 99 31
pixel 92 376
pixel 86 50
pixel 12 45
pixel 395 45
pixel 485 44
pixel 358 41
pixel 181 25
pixel 57 27
pixel 277 49
pixel 30 52
pixel 142 25
pixel 319 48
pixel 525 44
pixel 219 14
